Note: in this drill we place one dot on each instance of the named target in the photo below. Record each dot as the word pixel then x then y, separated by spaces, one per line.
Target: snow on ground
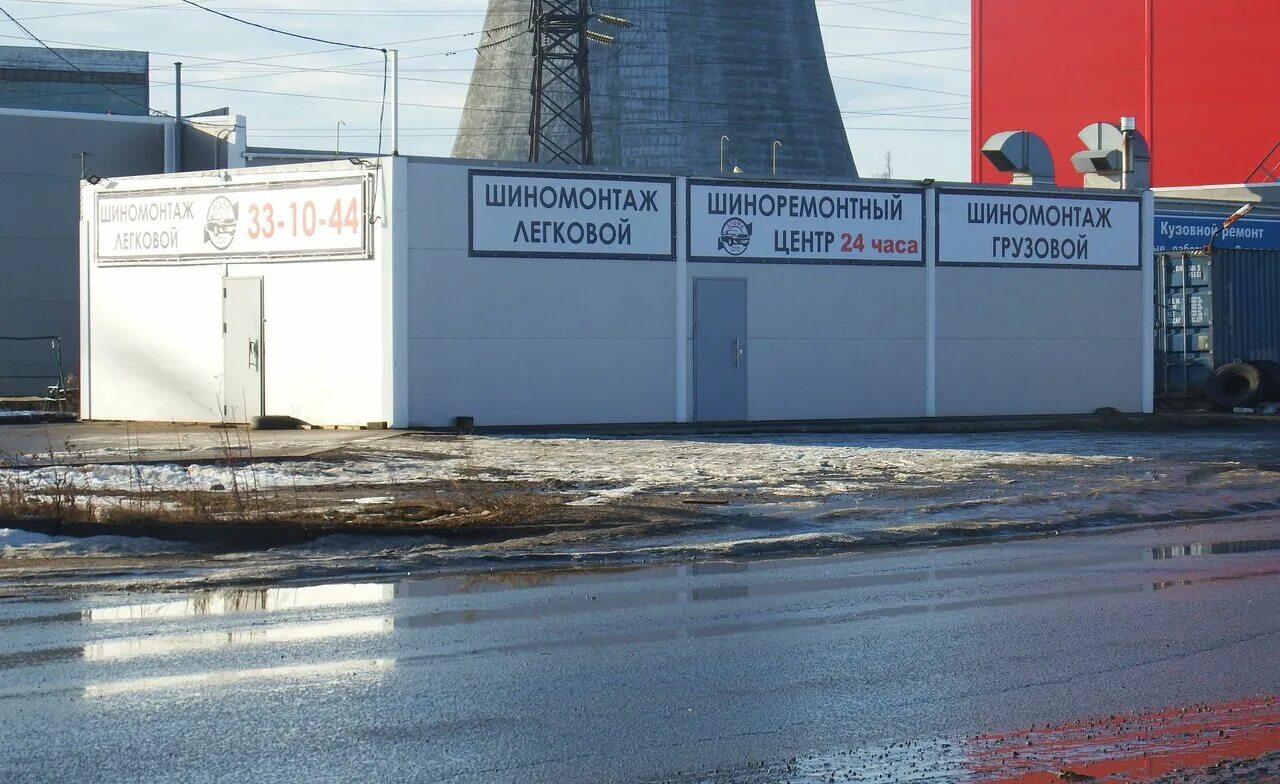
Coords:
pixel 25 544
pixel 767 491
pixel 260 475
pixel 613 468
pixel 86 442
pixel 750 494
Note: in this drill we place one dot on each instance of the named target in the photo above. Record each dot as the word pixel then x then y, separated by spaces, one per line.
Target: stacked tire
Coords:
pixel 1245 384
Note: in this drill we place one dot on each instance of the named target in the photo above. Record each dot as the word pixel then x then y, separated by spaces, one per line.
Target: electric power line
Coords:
pixel 277 30
pixel 385 56
pixel 75 67
pixel 382 103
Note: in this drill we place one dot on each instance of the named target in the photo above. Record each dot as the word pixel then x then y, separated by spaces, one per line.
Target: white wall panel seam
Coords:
pixel 930 303
pixel 400 289
pixel 683 330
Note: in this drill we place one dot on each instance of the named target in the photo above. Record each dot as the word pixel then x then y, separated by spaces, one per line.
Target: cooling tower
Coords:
pixel 689 72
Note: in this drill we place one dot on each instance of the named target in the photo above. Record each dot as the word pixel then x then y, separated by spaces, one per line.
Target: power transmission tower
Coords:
pixel 560 123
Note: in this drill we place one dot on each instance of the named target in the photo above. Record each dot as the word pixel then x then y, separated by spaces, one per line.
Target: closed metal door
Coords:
pixel 720 349
pixel 242 348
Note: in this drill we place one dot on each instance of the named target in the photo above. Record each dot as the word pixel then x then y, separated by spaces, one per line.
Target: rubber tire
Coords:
pixel 1237 385
pixel 1271 373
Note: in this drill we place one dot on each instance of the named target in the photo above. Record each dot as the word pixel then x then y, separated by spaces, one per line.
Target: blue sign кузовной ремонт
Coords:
pixel 1177 231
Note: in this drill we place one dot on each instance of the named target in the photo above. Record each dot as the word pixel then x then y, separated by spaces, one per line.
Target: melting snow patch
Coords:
pixel 788 466
pixel 605 496
pixel 13 537
pixel 18 543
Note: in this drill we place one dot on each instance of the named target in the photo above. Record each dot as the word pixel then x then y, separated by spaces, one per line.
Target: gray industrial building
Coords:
pixel 64 114
pixel 39 193
pixel 74 80
pixel 673 84
pixel 80 113
pixel 43 155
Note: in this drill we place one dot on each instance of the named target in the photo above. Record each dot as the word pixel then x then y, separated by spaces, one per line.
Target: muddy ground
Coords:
pixel 75 499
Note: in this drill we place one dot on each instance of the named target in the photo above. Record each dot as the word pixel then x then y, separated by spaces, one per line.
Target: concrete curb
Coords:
pixel 1162 422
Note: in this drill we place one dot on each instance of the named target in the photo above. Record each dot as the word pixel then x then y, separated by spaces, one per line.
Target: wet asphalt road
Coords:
pixel 639 674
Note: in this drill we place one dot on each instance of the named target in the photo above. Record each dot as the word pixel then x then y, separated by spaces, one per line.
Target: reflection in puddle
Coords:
pixel 132 647
pixel 1215 548
pixel 346 669
pixel 1216 578
pixel 243 600
pixel 688 628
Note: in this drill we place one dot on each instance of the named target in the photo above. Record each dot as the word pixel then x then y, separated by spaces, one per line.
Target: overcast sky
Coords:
pixel 900 67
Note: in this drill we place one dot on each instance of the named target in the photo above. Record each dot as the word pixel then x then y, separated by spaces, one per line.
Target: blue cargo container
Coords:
pixel 1212 310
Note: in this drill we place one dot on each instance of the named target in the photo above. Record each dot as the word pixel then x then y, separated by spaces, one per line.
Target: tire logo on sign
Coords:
pixel 735 236
pixel 220 223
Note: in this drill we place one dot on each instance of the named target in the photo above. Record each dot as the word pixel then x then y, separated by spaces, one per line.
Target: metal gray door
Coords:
pixel 241 348
pixel 719 349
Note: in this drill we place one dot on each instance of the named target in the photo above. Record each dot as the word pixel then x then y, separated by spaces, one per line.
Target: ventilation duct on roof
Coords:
pixel 1022 154
pixel 1114 158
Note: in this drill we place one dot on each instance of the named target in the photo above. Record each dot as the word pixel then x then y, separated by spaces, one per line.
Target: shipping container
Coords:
pixel 1218 308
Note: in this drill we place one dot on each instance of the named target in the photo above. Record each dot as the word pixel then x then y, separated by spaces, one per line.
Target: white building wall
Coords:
pixel 427 330
pixel 828 342
pixel 1021 332
pixel 322 340
pixel 153 331
pixel 1039 341
pixel 153 344
pixel 529 341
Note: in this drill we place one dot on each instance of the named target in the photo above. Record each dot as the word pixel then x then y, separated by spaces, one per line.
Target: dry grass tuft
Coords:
pixel 52 488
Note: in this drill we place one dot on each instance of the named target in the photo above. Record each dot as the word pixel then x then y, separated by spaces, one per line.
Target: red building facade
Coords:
pixel 1202 79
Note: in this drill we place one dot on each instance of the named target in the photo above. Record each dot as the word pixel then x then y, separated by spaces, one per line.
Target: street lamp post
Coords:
pixel 1232 218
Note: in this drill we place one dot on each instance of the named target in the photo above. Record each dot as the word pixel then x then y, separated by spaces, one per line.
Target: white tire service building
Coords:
pixel 413 291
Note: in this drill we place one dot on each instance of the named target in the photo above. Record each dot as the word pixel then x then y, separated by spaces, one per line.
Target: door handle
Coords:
pixel 254 363
pixel 737 352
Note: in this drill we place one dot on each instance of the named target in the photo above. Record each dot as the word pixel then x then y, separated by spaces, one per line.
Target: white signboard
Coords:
pixel 1037 230
pixel 534 215
pixel 765 222
pixel 291 219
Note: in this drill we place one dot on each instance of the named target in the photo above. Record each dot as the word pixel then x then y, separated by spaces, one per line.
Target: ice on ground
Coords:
pixel 791 466
pixel 15 543
pixel 23 444
pixel 790 463
pixel 12 537
pixel 747 495
pixel 604 496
